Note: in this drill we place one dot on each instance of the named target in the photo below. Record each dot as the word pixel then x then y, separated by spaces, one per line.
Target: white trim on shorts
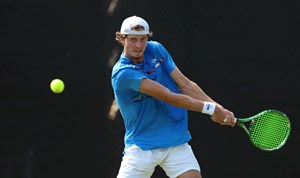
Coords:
pixel 176 160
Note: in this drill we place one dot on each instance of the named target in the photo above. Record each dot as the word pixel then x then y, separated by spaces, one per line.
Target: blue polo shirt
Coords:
pixel 149 122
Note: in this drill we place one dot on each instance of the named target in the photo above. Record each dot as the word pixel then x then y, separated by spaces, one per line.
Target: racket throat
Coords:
pixel 244 128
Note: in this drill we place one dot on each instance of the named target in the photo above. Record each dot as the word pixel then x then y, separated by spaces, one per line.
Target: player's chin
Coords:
pixel 138 54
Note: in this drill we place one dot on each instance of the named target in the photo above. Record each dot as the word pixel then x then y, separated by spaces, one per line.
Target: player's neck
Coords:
pixel 135 60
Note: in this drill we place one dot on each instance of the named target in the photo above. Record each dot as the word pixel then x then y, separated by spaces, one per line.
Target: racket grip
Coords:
pixel 235 120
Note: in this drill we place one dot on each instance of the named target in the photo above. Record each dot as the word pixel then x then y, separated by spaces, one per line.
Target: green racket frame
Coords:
pixel 268 130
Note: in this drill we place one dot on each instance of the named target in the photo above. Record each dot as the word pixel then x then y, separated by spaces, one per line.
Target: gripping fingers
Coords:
pixel 229 121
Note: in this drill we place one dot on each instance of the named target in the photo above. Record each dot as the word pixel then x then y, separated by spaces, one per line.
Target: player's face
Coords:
pixel 134 47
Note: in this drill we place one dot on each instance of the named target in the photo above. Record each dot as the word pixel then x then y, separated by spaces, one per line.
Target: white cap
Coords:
pixel 132 21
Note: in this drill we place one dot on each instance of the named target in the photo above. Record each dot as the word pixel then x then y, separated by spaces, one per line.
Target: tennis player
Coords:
pixel 153 97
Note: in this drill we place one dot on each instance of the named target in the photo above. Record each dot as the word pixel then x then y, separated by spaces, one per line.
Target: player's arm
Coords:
pixel 190 88
pixel 160 92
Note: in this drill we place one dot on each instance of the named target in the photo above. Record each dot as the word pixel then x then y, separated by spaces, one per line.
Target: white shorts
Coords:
pixel 138 163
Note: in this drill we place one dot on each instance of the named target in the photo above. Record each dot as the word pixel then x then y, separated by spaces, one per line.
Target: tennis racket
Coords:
pixel 267 130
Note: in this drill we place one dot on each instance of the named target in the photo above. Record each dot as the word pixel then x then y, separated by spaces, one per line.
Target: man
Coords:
pixel 153 97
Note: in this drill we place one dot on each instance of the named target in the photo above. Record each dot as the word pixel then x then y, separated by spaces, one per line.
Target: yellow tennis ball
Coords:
pixel 57 86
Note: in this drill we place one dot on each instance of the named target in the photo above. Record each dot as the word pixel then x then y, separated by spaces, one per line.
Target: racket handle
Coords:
pixel 235 120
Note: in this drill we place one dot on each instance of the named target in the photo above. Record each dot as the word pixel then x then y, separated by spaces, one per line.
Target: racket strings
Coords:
pixel 270 130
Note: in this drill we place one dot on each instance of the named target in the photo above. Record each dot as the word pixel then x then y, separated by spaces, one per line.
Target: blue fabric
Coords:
pixel 149 123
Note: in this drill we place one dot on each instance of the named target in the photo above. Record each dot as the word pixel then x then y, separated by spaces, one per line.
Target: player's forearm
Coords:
pixel 185 101
pixel 189 103
pixel 194 91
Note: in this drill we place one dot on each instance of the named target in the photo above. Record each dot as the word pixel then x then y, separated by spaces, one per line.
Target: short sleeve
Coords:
pixel 127 80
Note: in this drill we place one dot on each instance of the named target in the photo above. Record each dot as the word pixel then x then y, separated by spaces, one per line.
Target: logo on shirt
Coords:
pixel 139 97
pixel 154 60
pixel 157 64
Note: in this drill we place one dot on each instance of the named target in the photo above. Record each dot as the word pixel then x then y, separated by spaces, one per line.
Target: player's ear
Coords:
pixel 122 39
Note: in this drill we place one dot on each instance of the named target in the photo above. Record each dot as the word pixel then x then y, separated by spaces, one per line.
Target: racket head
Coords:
pixel 269 130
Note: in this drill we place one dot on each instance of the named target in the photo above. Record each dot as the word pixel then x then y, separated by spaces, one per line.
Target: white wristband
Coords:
pixel 208 108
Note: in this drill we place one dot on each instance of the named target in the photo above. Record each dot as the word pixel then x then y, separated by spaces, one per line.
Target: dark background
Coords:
pixel 242 53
